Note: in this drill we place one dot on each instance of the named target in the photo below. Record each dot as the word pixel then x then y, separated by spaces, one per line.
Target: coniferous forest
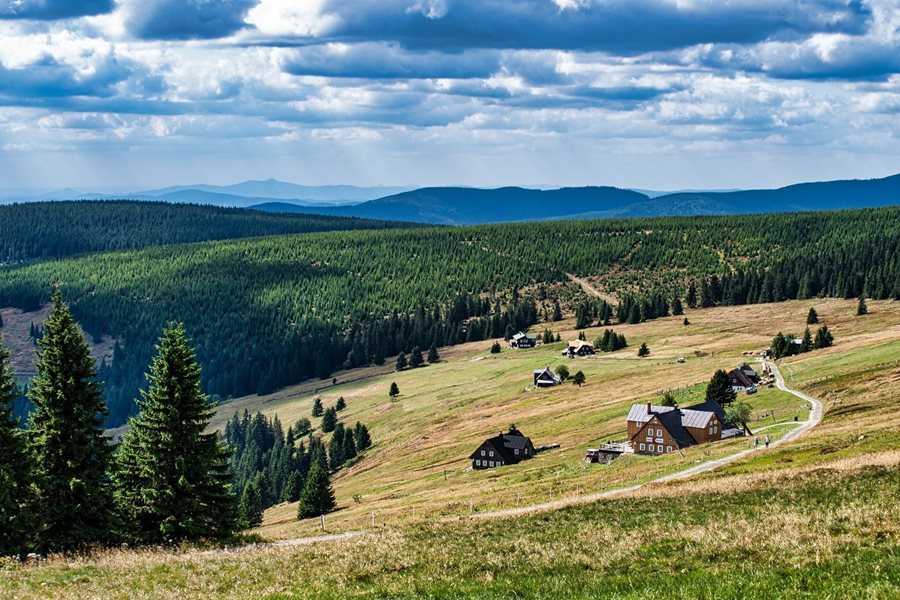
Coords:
pixel 268 312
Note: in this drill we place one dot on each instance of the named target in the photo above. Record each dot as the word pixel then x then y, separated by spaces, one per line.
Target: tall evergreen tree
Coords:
pixel 250 507
pixel 433 355
pixel 172 480
pixel 329 420
pixel 677 308
pixel 824 339
pixel 643 350
pixel 415 357
pixel 341 404
pixel 401 361
pixel 812 317
pixel 317 497
pixel 691 297
pixel 16 499
pixel 361 436
pixel 292 487
pixel 861 307
pixel 317 409
pixel 719 388
pixel 806 343
pixel 395 390
pixel 69 450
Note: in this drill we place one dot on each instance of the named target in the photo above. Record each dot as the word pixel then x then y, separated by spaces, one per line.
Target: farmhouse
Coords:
pixel 522 340
pixel 661 429
pixel 504 449
pixel 743 378
pixel 578 348
pixel 545 378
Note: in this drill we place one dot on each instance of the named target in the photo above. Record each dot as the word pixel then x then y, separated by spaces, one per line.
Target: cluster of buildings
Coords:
pixel 651 429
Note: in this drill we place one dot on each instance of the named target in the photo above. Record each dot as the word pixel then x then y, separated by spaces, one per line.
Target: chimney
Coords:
pixel 649 407
pixel 676 408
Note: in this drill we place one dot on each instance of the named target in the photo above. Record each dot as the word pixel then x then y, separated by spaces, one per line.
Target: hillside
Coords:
pixel 41 230
pixel 467 206
pixel 795 517
pixel 272 312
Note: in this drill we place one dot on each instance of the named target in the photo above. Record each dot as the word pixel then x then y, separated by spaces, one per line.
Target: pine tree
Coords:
pixel 719 388
pixel 317 497
pixel 317 409
pixel 807 343
pixel 394 391
pixel 812 317
pixel 172 480
pixel 495 348
pixel 361 437
pixel 861 307
pixel 329 420
pixel 415 357
pixel 292 487
pixel 643 350
pixel 341 404
pixel 401 361
pixel 336 448
pixel 69 450
pixel 433 356
pixel 691 296
pixel 250 507
pixel 824 339
pixel 349 447
pixel 16 500
pixel 557 311
pixel 677 308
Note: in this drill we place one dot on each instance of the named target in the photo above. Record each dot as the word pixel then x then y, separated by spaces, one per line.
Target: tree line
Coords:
pixel 270 312
pixel 40 230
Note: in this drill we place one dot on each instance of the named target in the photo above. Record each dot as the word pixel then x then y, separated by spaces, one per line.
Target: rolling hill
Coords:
pixel 467 206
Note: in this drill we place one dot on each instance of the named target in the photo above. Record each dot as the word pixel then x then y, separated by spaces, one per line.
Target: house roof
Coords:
pixel 516 441
pixel 671 420
pixel 713 407
pixel 550 375
pixel 522 336
pixel 697 419
pixel 576 344
pixel 739 376
pixel 503 444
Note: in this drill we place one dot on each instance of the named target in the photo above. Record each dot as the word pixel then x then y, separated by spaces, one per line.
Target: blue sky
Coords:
pixel 662 94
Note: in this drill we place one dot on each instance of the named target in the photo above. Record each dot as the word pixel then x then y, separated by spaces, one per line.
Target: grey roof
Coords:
pixel 638 412
pixel 713 407
pixel 516 441
pixel 496 444
pixel 695 418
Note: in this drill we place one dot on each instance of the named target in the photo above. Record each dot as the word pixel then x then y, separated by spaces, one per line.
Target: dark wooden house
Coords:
pixel 504 449
pixel 578 348
pixel 546 378
pixel 743 378
pixel 522 340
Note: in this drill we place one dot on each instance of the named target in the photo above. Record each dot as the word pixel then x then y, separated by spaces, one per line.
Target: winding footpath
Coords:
pixel 815 417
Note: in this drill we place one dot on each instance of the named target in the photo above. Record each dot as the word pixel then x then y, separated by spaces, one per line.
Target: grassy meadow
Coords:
pixel 815 518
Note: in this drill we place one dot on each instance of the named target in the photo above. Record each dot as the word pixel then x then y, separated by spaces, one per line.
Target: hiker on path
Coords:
pixel 767 440
pixel 756 442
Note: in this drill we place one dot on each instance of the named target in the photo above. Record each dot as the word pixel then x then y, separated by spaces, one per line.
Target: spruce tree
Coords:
pixel 361 437
pixel 16 500
pixel 643 350
pixel 807 342
pixel 812 317
pixel 349 448
pixel 341 404
pixel 329 420
pixel 861 307
pixel 336 448
pixel 317 497
pixel 250 507
pixel 719 388
pixel 691 296
pixel 172 480
pixel 824 339
pixel 395 390
pixel 292 487
pixel 401 361
pixel 677 308
pixel 317 410
pixel 415 357
pixel 433 356
pixel 70 452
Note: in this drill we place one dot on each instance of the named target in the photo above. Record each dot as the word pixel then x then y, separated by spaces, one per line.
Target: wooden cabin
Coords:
pixel 507 448
pixel 743 378
pixel 578 348
pixel 662 429
pixel 522 340
pixel 546 378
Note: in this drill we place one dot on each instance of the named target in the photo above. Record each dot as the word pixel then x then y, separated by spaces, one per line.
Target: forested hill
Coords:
pixel 42 230
pixel 268 312
pixel 466 206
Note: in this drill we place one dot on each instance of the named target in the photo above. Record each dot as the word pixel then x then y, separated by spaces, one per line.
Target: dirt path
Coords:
pixel 815 416
pixel 590 290
pixel 302 541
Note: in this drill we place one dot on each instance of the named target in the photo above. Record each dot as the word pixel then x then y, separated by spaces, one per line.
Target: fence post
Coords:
pixel 322 520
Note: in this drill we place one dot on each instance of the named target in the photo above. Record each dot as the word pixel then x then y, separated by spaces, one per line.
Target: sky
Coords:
pixel 655 94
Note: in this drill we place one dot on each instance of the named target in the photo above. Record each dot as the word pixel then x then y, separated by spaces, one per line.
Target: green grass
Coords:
pixel 811 535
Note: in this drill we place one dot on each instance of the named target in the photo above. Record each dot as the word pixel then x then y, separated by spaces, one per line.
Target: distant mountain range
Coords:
pixel 242 194
pixel 470 206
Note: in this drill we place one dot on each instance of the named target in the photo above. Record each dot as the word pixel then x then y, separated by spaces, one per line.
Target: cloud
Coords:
pixel 374 60
pixel 49 10
pixel 185 19
pixel 627 26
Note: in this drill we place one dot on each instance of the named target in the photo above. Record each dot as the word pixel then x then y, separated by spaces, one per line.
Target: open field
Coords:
pixel 817 517
pixel 418 467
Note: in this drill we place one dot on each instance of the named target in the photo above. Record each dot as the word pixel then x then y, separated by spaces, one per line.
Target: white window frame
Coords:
pixel 651 448
pixel 482 452
pixel 477 462
pixel 643 447
pixel 491 453
pixel 668 448
pixel 517 451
